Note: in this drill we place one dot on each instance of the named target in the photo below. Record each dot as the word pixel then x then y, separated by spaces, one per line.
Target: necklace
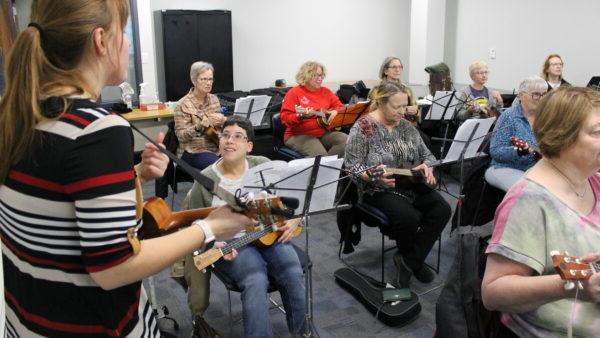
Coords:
pixel 571 184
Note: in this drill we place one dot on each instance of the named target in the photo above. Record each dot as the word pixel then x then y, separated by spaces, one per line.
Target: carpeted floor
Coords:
pixel 335 312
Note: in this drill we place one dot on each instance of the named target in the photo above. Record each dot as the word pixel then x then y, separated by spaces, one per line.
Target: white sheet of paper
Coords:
pixel 440 101
pixel 296 174
pixel 261 102
pixel 462 134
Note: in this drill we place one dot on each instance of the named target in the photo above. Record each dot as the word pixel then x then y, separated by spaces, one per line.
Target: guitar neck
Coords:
pixel 246 239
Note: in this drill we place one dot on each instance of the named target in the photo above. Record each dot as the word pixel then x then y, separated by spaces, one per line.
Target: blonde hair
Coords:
pixel 308 70
pixel 546 65
pixel 561 116
pixel 475 66
pixel 381 94
pixel 45 61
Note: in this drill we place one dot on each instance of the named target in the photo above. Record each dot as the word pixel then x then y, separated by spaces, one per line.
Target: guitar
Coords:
pixel 524 148
pixel 159 220
pixel 572 270
pixel 262 236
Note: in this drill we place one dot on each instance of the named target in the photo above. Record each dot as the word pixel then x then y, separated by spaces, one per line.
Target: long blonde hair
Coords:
pixel 45 61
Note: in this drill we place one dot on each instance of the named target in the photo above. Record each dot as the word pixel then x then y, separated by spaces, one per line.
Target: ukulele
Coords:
pixel 264 236
pixel 405 178
pixel 159 220
pixel 572 270
pixel 524 148
pixel 345 116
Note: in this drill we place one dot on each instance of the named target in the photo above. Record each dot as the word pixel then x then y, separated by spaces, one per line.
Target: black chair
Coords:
pixel 173 175
pixel 231 286
pixel 280 148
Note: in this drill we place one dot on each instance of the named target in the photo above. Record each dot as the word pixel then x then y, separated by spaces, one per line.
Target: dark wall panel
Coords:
pixel 190 36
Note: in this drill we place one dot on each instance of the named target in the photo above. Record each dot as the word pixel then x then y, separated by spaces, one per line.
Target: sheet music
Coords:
pixel 275 171
pixel 439 104
pixel 463 133
pixel 242 106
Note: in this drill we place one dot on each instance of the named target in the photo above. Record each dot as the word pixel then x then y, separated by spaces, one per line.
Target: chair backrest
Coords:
pixel 278 130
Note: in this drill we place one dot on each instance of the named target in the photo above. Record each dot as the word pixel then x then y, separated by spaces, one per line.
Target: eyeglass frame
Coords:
pixel 395 67
pixel 237 137
pixel 206 79
pixel 538 96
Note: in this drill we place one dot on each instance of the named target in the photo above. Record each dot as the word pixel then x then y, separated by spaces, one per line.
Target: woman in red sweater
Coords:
pixel 299 111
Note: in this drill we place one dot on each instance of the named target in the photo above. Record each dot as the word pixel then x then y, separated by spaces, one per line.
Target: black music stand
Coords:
pixel 443 109
pixel 305 213
pixel 464 147
pixel 594 83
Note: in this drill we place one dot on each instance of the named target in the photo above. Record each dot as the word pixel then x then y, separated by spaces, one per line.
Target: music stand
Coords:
pixel 594 83
pixel 443 109
pixel 349 114
pixel 304 214
pixel 464 147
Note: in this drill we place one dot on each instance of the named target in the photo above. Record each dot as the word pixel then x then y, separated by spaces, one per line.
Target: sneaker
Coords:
pixel 202 329
pixel 403 272
pixel 424 274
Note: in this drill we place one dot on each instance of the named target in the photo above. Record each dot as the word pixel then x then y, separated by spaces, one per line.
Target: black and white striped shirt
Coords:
pixel 64 213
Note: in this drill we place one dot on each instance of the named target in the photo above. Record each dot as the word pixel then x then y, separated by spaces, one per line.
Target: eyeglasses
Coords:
pixel 395 67
pixel 237 137
pixel 320 75
pixel 536 95
pixel 556 64
pixel 206 79
pixel 481 73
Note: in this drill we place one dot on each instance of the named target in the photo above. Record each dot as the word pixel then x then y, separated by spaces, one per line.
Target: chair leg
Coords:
pixel 230 315
pixel 382 258
pixel 437 270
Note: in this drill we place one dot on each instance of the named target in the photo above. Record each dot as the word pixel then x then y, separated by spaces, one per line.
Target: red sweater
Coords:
pixel 322 98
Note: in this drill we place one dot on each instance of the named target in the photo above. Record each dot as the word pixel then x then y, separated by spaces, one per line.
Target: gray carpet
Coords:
pixel 335 312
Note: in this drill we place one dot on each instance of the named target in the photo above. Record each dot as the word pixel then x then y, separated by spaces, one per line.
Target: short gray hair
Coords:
pixel 198 68
pixel 533 83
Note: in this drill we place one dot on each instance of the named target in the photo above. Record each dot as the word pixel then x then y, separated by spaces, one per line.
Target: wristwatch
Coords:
pixel 209 236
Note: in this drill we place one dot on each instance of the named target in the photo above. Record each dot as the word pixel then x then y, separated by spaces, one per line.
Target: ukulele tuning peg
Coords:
pixel 554 253
pixel 263 194
pixel 569 285
pixel 579 285
pixel 567 253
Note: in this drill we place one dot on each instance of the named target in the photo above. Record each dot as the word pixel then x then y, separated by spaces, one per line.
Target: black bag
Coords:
pixel 459 309
pixel 369 292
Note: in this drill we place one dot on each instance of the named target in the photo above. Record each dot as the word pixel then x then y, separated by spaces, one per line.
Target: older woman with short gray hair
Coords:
pixel 508 164
pixel 479 101
pixel 198 117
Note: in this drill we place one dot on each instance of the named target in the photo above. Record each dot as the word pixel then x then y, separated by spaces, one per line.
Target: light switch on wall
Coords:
pixel 492 53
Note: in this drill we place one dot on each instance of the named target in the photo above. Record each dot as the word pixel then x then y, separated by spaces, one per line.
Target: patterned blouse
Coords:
pixel 188 114
pixel 370 143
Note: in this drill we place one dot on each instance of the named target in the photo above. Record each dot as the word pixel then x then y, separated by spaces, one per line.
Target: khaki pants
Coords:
pixel 332 143
pixel 198 287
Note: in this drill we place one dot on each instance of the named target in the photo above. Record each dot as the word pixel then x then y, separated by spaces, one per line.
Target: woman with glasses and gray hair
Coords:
pixel 391 70
pixel 478 100
pixel 509 164
pixel 301 106
pixel 198 118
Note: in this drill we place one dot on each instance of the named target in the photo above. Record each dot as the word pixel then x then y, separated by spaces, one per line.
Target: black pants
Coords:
pixel 414 226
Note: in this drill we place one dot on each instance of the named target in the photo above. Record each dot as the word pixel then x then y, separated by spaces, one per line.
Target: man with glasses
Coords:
pixel 251 266
pixel 509 164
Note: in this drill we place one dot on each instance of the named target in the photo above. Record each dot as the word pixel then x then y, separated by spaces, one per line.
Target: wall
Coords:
pixel 272 38
pixel 523 34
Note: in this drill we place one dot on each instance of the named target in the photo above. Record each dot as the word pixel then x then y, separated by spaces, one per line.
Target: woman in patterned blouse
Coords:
pixel 197 117
pixel 417 213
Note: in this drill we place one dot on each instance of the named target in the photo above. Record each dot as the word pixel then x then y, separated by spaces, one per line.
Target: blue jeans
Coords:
pixel 251 270
pixel 199 160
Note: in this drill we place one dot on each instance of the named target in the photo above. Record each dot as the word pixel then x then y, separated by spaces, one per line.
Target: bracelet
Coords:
pixel 209 236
